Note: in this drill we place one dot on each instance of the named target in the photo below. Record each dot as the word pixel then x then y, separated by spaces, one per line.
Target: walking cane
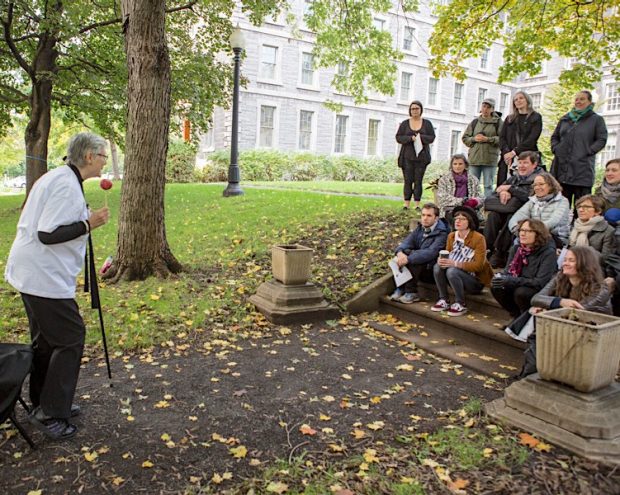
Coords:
pixel 95 301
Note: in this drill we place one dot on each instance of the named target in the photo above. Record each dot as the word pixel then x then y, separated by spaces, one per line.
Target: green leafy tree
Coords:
pixel 532 32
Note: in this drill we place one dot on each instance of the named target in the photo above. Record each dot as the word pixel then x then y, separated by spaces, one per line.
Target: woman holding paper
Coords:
pixel 415 134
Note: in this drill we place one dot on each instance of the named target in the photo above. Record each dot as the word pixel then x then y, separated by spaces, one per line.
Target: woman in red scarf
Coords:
pixel 531 264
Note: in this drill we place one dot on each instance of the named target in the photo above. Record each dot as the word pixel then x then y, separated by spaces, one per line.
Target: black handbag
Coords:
pixel 492 203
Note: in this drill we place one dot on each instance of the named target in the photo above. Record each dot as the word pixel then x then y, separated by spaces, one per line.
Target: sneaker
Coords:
pixel 457 309
pixel 397 294
pixel 440 305
pixel 409 297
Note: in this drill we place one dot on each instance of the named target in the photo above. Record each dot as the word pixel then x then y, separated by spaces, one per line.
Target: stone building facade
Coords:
pixel 282 105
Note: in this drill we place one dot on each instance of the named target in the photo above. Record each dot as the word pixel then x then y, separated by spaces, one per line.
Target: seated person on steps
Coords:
pixel 419 251
pixel 504 202
pixel 531 264
pixel 457 187
pixel 548 205
pixel 464 266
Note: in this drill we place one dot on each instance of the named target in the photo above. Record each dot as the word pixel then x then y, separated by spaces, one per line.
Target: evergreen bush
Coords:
pixel 180 162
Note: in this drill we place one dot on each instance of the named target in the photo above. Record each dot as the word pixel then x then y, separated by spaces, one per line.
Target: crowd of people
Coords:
pixel 547 240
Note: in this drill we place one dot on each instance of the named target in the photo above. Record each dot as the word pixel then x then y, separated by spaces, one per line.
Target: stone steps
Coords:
pixel 476 340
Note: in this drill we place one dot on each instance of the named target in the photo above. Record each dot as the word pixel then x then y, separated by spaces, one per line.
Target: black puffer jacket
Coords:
pixel 574 146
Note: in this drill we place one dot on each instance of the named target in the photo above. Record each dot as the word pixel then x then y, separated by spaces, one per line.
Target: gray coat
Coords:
pixel 554 214
pixel 598 302
pixel 602 238
pixel 574 147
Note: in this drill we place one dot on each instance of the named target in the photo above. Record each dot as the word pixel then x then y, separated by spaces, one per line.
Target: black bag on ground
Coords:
pixel 492 203
pixel 15 364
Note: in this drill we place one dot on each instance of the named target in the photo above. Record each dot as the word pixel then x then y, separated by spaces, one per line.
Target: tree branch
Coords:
pixel 118 20
pixel 11 44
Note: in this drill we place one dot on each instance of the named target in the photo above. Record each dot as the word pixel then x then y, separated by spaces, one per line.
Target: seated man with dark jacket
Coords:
pixel 504 202
pixel 419 251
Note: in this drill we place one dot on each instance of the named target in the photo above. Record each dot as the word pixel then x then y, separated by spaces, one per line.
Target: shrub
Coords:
pixel 272 165
pixel 180 162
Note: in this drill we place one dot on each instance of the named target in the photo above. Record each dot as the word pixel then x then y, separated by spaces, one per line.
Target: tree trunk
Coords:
pixel 142 246
pixel 115 173
pixel 40 121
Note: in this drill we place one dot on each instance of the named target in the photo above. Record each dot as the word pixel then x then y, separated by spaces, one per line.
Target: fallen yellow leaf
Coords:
pixel 238 452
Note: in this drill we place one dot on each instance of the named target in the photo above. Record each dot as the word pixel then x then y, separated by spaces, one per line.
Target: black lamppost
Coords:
pixel 238 44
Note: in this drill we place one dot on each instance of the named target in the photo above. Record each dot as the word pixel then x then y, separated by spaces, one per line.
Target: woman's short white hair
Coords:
pixel 81 144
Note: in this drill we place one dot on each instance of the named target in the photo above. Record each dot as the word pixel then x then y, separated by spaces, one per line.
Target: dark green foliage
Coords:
pixel 180 162
pixel 271 165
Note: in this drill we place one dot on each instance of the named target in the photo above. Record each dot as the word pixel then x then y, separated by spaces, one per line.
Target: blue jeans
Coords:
pixel 488 175
pixel 459 280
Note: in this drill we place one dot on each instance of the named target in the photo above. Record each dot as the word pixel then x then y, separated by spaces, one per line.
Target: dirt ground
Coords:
pixel 177 417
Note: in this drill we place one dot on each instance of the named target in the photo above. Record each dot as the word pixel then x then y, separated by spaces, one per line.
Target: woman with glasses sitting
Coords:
pixel 591 228
pixel 531 264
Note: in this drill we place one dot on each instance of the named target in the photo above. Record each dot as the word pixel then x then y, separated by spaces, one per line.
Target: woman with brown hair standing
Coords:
pixel 415 134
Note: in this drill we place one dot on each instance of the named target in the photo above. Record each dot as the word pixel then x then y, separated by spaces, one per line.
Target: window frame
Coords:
pixel 276 123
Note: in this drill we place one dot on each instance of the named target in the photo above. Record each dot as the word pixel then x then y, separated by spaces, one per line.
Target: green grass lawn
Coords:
pixel 378 188
pixel 223 241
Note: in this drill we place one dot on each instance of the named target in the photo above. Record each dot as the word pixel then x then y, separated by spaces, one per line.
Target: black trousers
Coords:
pixel 413 175
pixel 57 332
pixel 573 193
pixel 516 300
pixel 496 233
pixel 420 273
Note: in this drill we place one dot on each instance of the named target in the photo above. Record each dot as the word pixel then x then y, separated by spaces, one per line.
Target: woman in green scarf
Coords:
pixel 578 137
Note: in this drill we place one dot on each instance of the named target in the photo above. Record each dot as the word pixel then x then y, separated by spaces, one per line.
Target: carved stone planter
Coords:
pixel 290 263
pixel 578 348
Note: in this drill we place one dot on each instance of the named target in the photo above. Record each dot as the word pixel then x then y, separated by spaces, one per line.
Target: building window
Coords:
pixel 379 24
pixel 608 152
pixel 267 126
pixel 484 59
pixel 482 94
pixel 457 101
pixel 305 129
pixel 433 90
pixel 613 97
pixel 406 83
pixel 503 103
pixel 268 62
pixel 455 142
pixel 307 7
pixel 307 69
pixel 340 135
pixel 373 137
pixel 408 38
pixel 536 101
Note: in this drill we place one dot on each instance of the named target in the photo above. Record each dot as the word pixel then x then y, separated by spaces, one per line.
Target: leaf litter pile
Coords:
pixel 243 406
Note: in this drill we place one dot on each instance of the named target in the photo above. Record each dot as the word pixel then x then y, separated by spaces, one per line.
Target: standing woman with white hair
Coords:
pixel 45 260
pixel 520 132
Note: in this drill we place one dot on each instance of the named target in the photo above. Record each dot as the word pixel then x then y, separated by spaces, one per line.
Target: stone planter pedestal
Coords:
pixel 289 298
pixel 573 400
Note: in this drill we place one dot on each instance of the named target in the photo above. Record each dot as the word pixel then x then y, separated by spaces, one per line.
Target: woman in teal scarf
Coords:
pixel 578 137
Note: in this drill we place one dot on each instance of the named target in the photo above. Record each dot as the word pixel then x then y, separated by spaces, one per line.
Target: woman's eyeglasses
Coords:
pixel 526 231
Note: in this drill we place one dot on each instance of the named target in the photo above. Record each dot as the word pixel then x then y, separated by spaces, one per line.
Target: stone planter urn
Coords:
pixel 578 348
pixel 290 263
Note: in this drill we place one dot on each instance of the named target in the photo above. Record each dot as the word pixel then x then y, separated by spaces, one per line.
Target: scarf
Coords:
pixel 610 192
pixel 519 261
pixel 579 234
pixel 576 115
pixel 460 181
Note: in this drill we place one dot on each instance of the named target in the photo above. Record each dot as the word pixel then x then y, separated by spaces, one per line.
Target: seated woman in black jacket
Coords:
pixel 531 264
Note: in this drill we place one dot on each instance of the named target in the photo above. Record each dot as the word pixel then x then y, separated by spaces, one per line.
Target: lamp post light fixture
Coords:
pixel 237 42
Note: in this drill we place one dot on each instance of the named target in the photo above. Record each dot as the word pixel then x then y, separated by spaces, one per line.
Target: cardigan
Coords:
pixel 407 151
pixel 479 265
pixel 446 186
